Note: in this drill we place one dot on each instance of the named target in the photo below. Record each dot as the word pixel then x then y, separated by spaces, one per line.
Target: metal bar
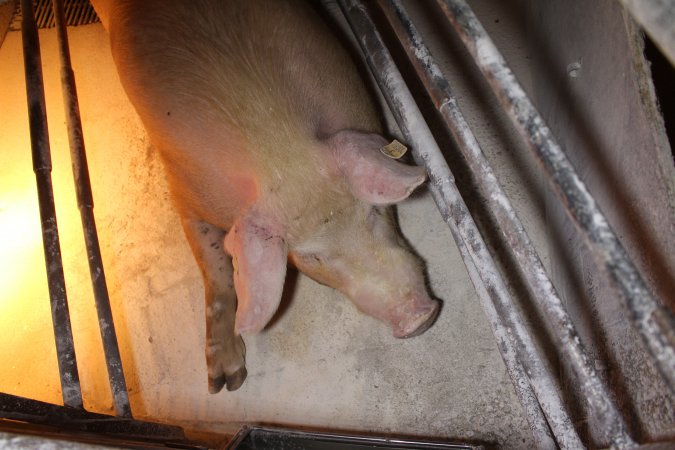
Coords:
pixel 85 203
pixel 541 433
pixel 36 412
pixel 573 352
pixel 279 438
pixel 655 323
pixel 657 18
pixel 480 265
pixel 42 166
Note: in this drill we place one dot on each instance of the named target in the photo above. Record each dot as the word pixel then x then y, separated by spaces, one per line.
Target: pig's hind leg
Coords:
pixel 225 351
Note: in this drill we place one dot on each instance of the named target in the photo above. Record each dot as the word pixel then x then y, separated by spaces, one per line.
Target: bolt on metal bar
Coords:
pixel 42 166
pixel 657 17
pixel 654 322
pixel 481 267
pixel 85 203
pixel 572 350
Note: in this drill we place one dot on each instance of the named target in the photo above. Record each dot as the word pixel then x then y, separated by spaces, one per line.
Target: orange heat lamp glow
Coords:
pixel 27 345
pixel 22 261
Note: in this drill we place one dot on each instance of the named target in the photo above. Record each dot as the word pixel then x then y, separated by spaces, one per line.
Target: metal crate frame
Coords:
pixel 534 384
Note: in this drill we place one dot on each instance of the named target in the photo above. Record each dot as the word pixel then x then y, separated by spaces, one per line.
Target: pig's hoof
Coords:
pixel 216 384
pixel 417 324
pixel 235 380
pixel 230 382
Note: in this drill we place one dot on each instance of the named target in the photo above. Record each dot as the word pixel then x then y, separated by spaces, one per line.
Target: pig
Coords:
pixel 271 145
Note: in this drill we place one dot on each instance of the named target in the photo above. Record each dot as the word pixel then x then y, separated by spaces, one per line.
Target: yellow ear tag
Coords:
pixel 394 149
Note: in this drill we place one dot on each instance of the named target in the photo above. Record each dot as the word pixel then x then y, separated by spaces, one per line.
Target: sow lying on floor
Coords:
pixel 271 144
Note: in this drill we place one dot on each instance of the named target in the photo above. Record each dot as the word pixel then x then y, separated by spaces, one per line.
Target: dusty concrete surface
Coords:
pixel 320 364
pixel 594 89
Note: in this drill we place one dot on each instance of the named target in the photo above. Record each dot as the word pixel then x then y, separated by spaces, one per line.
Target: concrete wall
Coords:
pixel 593 87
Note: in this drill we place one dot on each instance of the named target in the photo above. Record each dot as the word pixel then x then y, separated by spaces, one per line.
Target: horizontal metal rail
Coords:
pixel 572 350
pixel 654 322
pixel 42 166
pixel 85 202
pixel 506 322
pixel 657 17
pixel 252 436
pixel 64 420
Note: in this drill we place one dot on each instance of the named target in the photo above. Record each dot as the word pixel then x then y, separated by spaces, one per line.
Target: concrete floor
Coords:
pixel 321 363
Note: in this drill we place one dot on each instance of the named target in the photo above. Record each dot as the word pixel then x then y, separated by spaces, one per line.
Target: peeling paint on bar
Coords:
pixel 512 230
pixel 65 350
pixel 654 322
pixel 535 416
pixel 484 275
pixel 86 205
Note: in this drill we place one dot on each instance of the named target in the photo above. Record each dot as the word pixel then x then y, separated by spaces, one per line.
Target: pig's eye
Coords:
pixel 374 216
pixel 381 224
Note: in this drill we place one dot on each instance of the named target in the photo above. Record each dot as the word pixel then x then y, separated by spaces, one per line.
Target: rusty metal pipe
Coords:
pixel 571 349
pixel 42 166
pixel 85 203
pixel 654 322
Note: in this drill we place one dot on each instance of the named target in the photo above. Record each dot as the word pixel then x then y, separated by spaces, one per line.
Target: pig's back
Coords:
pixel 242 83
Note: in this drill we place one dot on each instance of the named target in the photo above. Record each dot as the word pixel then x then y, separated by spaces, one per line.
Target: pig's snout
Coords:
pixel 414 317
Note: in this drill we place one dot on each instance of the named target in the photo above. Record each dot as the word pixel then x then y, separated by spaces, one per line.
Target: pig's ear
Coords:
pixel 372 176
pixel 259 254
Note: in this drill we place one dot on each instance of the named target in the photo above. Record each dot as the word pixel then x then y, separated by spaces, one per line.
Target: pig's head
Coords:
pixel 355 249
pixel 360 254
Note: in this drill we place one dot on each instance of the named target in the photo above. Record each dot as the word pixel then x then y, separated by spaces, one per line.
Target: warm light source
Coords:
pixel 24 306
pixel 28 363
pixel 22 263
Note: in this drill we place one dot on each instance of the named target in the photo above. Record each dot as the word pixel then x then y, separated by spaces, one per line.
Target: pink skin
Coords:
pixel 271 146
pixel 368 262
pixel 258 252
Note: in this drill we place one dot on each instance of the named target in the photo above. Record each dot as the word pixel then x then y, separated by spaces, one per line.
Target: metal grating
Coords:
pixel 78 12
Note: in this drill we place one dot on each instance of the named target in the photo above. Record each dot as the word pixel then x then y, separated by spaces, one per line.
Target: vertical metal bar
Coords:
pixel 655 323
pixel 657 17
pixel 481 267
pixel 534 415
pixel 42 166
pixel 572 350
pixel 85 202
